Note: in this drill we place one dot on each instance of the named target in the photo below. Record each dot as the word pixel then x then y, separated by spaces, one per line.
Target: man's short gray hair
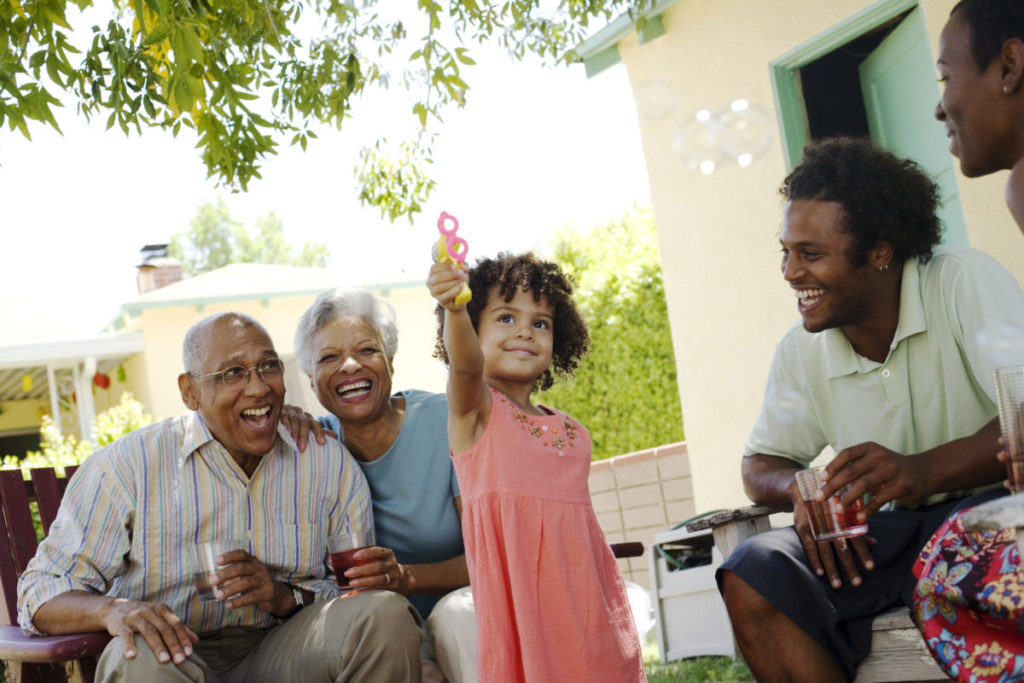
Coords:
pixel 344 303
pixel 194 352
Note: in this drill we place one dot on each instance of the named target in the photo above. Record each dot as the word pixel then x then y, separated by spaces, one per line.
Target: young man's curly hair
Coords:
pixel 507 274
pixel 884 198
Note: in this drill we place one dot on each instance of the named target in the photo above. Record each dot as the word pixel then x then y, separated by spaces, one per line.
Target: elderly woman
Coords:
pixel 346 342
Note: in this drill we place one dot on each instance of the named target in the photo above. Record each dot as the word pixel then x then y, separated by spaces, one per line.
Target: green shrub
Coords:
pixel 60 450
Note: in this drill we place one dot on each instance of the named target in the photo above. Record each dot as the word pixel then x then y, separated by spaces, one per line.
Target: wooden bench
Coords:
pixel 35 658
pixel 898 652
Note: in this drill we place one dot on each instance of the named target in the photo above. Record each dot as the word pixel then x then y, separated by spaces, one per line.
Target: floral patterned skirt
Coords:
pixel 969 602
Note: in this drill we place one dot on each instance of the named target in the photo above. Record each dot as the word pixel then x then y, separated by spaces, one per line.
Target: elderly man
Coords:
pixel 117 558
pixel 892 368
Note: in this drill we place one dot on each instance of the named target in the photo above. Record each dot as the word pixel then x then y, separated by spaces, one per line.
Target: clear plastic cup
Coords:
pixel 827 522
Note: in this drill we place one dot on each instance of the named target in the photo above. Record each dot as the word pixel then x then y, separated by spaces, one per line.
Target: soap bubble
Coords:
pixel 739 133
pixel 697 141
pixel 655 99
pixel 747 130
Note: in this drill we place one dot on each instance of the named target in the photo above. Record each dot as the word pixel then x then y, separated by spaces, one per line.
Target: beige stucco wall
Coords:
pixel 718 233
pixel 164 328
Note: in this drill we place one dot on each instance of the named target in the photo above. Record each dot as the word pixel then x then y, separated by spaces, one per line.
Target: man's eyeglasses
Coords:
pixel 269 370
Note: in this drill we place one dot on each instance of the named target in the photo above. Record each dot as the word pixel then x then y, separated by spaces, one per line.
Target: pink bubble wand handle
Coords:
pixel 449 248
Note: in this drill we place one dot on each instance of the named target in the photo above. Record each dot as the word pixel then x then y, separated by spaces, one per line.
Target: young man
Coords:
pixel 117 557
pixel 891 367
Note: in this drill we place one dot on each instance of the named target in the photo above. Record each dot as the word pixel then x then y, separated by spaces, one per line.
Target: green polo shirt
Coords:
pixel 961 316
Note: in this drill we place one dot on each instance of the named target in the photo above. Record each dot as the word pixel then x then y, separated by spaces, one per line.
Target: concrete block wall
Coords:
pixel 638 495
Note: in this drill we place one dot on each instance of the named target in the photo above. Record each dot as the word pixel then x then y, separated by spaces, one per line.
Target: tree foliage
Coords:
pixel 625 390
pixel 215 240
pixel 248 74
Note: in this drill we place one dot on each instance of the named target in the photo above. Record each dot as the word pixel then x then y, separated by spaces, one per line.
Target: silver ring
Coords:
pixel 387 578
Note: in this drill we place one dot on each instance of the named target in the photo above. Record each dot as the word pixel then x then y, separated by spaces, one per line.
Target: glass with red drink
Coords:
pixel 341 549
pixel 827 522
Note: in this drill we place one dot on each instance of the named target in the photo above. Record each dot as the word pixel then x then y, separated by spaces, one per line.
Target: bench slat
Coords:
pixel 48 495
pixel 34 658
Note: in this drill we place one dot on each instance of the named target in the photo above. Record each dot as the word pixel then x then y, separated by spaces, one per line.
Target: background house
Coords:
pixel 727 94
pixel 141 350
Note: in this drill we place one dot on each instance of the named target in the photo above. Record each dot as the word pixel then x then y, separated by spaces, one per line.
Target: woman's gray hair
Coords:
pixel 344 303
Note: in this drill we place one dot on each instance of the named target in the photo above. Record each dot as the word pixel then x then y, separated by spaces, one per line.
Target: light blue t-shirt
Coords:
pixel 413 486
pixel 961 316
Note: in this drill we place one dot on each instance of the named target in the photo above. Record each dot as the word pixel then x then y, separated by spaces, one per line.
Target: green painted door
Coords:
pixel 900 92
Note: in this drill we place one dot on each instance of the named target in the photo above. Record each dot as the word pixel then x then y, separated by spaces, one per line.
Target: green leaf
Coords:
pixel 158 34
pixel 193 48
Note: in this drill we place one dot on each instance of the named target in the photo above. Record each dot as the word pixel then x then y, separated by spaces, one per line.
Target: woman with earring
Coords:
pixel 969 597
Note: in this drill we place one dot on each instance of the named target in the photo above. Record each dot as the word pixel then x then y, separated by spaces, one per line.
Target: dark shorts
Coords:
pixel 775 565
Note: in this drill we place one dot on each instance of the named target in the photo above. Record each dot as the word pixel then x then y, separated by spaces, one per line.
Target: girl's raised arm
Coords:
pixel 468 399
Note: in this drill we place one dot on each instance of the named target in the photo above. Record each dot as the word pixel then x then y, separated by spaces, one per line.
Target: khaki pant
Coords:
pixel 368 636
pixel 450 639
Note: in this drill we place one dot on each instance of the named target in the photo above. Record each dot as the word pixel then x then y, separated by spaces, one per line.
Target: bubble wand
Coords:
pixel 450 248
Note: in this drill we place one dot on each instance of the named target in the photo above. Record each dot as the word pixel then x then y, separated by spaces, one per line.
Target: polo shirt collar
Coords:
pixel 841 359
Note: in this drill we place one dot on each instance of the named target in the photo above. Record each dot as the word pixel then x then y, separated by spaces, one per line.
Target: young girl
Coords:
pixel 550 601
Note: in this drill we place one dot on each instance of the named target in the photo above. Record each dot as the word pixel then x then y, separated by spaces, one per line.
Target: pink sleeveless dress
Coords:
pixel 550 601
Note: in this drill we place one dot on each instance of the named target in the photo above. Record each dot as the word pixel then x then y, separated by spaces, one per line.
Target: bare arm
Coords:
pixel 468 400
pixel 960 464
pixel 769 480
pixel 438 577
pixel 409 579
pixel 1015 193
pixel 82 612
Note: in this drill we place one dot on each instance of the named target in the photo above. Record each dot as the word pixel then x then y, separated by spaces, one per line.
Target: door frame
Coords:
pixel 785 70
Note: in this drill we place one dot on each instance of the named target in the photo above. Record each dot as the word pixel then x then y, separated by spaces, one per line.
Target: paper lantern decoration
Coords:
pixel 26 383
pixel 100 380
pixel 122 376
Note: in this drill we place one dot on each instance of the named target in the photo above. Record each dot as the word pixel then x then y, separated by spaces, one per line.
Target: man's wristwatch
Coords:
pixel 299 601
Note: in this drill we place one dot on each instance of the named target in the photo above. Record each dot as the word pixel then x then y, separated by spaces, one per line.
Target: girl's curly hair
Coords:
pixel 509 273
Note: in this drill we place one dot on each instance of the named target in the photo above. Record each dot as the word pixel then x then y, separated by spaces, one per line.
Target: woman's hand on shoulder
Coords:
pixel 299 424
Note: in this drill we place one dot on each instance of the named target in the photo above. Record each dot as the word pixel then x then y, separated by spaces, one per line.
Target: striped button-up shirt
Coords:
pixel 135 509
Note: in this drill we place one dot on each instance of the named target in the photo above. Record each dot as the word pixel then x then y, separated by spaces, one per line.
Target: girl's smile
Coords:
pixel 516 337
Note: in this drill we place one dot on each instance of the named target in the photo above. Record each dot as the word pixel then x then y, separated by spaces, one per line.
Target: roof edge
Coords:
pixel 600 51
pixel 135 306
pixel 41 353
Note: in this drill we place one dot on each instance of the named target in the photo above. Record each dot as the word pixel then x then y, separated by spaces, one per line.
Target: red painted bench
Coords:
pixel 35 658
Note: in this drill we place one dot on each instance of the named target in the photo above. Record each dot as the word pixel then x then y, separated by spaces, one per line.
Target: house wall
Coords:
pixel 638 495
pixel 18 416
pixel 718 233
pixel 164 329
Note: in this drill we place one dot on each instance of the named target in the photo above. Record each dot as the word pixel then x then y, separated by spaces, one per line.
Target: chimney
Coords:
pixel 157 268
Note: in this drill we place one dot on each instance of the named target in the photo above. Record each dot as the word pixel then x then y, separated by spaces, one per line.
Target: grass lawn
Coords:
pixel 712 669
